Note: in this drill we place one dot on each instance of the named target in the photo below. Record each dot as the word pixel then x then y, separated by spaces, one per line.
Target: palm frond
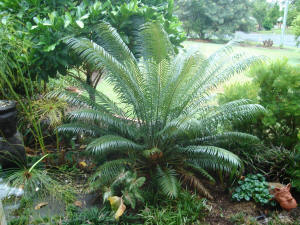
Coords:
pixel 107 173
pixel 110 143
pixel 220 153
pixel 226 137
pixel 80 128
pixel 153 42
pixel 108 37
pixel 167 181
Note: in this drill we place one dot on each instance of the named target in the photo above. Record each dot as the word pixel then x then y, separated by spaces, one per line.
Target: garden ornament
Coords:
pixel 283 196
pixel 12 151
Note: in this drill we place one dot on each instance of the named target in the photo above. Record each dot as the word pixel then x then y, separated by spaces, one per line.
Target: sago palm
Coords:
pixel 167 127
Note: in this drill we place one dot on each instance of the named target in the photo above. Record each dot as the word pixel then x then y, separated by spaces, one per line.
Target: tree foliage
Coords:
pixel 212 18
pixel 265 13
pixel 46 23
pixel 166 130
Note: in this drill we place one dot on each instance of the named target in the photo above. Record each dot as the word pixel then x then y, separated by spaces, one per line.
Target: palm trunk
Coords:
pixel 89 81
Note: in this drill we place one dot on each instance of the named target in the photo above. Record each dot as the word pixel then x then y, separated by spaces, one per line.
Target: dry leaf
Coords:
pixel 78 204
pixel 117 206
pixel 82 164
pixel 82 146
pixel 40 205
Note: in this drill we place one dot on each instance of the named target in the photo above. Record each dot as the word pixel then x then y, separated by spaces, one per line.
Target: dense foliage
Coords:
pixel 160 131
pixel 47 22
pixel 276 87
pixel 265 13
pixel 296 28
pixel 211 19
pixel 279 86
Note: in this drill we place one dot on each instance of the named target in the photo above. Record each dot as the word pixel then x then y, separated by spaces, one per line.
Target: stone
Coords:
pixel 12 152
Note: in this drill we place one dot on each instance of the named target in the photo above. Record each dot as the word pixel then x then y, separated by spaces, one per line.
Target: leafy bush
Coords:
pixel 279 85
pixel 236 91
pixel 187 209
pixel 253 187
pixel 273 163
pixel 296 28
pixel 267 24
pixel 165 129
pixel 47 22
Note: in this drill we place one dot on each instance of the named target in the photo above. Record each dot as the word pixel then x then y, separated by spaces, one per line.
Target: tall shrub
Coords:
pixel 279 93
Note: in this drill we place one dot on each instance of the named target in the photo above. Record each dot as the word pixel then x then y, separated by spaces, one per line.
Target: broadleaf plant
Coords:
pixel 167 128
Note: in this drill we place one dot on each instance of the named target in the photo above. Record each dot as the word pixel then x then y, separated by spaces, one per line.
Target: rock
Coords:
pixel 8 119
pixel 12 151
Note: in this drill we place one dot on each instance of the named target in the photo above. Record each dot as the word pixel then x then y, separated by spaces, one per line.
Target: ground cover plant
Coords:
pixel 162 133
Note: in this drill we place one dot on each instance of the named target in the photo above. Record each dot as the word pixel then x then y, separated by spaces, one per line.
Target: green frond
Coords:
pixel 107 173
pixel 125 83
pixel 153 42
pixel 219 153
pixel 110 143
pixel 108 37
pixel 226 137
pixel 167 181
pixel 80 128
pixel 100 118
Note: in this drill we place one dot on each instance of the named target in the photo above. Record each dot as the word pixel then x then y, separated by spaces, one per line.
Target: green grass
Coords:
pixel 293 54
pixel 275 31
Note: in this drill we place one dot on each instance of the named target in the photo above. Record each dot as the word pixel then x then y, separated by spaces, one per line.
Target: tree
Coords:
pixel 274 13
pixel 214 17
pixel 296 29
pixel 259 12
pixel 167 130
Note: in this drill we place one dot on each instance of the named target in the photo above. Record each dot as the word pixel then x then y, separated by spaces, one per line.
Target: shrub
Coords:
pixel 165 129
pixel 253 187
pixel 277 85
pixel 236 91
pixel 267 24
pixel 279 89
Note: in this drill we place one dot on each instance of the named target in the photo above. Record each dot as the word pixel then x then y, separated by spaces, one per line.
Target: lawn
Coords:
pixel 293 54
pixel 275 31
